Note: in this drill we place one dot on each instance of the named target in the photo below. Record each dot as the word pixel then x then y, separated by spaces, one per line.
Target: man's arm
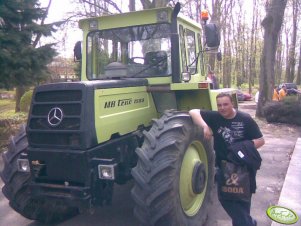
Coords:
pixel 258 142
pixel 198 120
pixel 253 131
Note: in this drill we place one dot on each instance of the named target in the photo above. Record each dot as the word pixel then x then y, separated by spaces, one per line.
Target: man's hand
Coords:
pixel 198 120
pixel 258 142
pixel 207 132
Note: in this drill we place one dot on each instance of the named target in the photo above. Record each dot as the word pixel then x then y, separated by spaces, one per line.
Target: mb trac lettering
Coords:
pixel 110 104
pixel 122 102
pixel 137 101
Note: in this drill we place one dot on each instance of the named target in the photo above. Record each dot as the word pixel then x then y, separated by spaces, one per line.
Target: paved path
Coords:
pixel 291 191
pixel 270 178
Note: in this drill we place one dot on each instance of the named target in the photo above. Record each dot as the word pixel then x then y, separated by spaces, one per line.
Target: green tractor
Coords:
pixel 126 119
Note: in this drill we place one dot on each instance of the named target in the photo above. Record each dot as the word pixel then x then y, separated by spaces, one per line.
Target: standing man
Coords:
pixel 228 126
pixel 282 92
pixel 275 94
pixel 212 77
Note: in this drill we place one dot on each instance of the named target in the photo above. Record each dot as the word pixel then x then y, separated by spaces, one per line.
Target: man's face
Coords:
pixel 225 107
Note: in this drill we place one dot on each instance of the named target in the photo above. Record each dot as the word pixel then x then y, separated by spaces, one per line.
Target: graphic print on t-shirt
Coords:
pixel 235 132
pixel 226 134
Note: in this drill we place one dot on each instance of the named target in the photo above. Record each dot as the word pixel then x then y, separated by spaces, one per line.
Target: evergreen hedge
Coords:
pixel 286 111
pixel 25 101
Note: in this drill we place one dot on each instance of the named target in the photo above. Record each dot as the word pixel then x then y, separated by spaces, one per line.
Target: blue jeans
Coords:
pixel 239 211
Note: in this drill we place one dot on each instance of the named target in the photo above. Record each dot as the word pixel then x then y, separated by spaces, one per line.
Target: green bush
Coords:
pixel 286 111
pixel 25 101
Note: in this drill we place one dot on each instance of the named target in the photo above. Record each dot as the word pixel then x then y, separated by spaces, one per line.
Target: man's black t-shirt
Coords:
pixel 227 131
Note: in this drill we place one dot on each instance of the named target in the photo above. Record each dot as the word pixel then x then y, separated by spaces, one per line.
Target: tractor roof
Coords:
pixel 127 19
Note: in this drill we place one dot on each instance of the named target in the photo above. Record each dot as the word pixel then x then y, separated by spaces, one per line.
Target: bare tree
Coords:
pixel 287 52
pixel 94 8
pixel 292 55
pixel 272 25
pixel 227 39
pixel 279 61
pixel 253 47
pixel 132 5
pixel 238 46
pixel 298 79
pixel 153 4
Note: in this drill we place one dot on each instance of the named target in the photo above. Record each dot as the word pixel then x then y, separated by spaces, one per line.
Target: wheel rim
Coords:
pixel 191 201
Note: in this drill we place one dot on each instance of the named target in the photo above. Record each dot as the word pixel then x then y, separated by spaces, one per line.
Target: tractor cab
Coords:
pixel 157 44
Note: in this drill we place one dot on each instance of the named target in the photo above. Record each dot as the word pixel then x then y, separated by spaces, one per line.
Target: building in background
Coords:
pixel 62 70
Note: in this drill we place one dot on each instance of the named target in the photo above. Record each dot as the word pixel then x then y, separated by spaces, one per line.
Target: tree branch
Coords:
pixel 146 4
pixel 114 5
pixel 38 37
pixel 102 8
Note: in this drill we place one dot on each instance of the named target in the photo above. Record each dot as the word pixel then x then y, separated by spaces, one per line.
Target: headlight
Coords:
pixel 106 172
pixel 23 165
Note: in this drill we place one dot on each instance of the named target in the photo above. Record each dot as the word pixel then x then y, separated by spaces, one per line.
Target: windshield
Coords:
pixel 141 51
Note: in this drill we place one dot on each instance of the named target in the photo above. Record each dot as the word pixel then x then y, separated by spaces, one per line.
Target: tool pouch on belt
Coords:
pixel 233 182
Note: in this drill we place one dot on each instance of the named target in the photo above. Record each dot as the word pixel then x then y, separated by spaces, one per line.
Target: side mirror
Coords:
pixel 77 51
pixel 219 56
pixel 212 35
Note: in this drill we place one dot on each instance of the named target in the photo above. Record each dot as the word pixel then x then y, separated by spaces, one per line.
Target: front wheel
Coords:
pixel 174 174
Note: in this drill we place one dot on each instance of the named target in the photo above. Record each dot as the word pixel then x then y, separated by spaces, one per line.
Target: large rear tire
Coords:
pixel 16 188
pixel 175 173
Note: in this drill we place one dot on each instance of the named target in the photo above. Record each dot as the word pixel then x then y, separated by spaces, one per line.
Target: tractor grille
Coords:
pixel 55 118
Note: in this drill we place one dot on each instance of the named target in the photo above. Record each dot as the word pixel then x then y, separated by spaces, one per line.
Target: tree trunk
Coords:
pixel 298 80
pixel 147 4
pixel 252 61
pixel 287 63
pixel 272 25
pixel 292 58
pixel 279 62
pixel 20 90
pixel 215 18
pixel 227 42
pixel 132 4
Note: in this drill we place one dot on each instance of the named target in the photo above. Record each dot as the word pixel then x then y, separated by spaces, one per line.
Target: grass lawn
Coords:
pixel 9 120
pixel 6 105
pixel 7 111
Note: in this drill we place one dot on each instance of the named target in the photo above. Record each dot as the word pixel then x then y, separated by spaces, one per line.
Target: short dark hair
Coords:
pixel 225 95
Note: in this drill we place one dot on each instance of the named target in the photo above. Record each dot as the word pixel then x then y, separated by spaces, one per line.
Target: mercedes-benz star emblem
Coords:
pixel 55 116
